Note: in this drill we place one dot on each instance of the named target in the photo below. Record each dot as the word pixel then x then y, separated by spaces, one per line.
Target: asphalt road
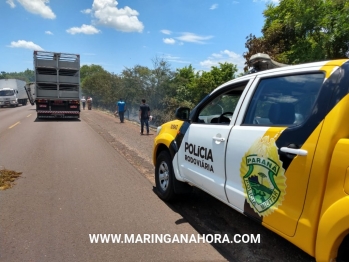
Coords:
pixel 74 183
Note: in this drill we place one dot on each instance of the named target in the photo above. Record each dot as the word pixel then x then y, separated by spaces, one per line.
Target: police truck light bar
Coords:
pixel 260 62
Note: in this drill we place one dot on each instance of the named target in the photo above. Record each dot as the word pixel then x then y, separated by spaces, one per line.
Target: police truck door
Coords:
pixel 271 147
pixel 201 156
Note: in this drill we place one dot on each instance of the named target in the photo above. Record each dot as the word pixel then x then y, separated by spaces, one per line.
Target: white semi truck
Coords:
pixel 12 92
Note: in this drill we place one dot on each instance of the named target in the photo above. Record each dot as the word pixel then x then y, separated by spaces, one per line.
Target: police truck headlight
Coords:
pixel 158 129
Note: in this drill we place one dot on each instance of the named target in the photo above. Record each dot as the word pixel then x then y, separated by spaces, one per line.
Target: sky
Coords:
pixel 122 34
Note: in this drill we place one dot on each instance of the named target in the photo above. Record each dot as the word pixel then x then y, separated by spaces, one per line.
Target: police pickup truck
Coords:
pixel 273 145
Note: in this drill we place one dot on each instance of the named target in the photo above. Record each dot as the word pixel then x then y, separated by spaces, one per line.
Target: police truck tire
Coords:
pixel 164 177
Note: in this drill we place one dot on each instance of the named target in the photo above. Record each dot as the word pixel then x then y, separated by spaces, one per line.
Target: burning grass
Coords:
pixel 7 178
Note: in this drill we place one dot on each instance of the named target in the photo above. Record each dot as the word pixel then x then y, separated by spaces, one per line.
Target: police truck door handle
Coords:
pixel 300 152
pixel 219 139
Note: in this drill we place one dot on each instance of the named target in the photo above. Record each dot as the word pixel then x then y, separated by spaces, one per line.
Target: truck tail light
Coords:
pixel 74 102
pixel 41 101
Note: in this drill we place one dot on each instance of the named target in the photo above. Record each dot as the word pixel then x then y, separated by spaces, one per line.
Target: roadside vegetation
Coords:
pixel 294 32
pixel 300 31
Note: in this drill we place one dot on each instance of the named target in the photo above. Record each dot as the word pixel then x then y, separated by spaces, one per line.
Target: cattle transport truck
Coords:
pixel 57 84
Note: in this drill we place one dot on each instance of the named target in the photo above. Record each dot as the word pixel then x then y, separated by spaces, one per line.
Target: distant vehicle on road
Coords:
pixel 12 92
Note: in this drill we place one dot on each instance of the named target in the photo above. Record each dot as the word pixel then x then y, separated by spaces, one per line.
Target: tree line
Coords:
pixel 163 88
pixel 294 32
pixel 27 75
pixel 300 31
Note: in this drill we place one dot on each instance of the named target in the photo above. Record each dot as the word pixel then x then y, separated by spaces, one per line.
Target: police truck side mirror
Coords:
pixel 182 113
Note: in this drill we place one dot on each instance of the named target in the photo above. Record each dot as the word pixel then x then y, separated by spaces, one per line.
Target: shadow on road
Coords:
pixel 57 120
pixel 209 216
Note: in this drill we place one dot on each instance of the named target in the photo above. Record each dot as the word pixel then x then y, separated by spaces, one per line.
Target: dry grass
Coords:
pixel 7 178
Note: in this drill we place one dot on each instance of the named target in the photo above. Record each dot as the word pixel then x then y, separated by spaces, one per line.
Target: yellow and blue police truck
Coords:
pixel 273 145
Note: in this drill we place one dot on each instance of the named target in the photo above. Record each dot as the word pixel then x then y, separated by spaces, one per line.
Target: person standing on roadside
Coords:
pixel 89 103
pixel 83 101
pixel 121 107
pixel 144 113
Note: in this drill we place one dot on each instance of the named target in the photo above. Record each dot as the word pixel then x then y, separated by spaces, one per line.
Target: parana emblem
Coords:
pixel 263 177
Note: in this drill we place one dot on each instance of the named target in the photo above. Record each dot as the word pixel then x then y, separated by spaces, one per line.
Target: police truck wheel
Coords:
pixel 164 176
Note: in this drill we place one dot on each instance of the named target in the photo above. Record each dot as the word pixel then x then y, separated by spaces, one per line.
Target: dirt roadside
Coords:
pixel 206 214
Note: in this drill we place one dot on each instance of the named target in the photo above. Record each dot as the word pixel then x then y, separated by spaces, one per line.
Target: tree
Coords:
pixel 256 45
pixel 161 88
pixel 184 82
pixel 27 75
pixel 136 84
pixel 101 85
pixel 89 70
pixel 223 73
pixel 297 31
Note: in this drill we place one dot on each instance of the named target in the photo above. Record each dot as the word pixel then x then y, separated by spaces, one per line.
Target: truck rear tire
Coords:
pixel 164 177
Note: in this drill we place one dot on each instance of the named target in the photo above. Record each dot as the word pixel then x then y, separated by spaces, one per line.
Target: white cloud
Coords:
pixel 37 7
pixel 165 32
pixel 215 55
pixel 123 19
pixel 25 44
pixel 273 1
pixel 48 33
pixel 174 59
pixel 169 41
pixel 214 6
pixel 193 38
pixel 11 3
pixel 225 56
pixel 86 11
pixel 84 29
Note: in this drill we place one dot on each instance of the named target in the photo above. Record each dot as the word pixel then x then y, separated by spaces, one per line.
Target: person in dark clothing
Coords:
pixel 121 107
pixel 144 113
